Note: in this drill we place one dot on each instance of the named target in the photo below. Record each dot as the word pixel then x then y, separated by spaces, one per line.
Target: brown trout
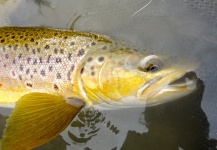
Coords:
pixel 51 74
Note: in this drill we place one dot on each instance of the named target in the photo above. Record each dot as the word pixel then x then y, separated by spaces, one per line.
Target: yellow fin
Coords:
pixel 36 119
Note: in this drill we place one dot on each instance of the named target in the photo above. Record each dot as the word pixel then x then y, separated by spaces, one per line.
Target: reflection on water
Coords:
pixel 56 144
pixel 104 127
pixel 41 3
pixel 2 124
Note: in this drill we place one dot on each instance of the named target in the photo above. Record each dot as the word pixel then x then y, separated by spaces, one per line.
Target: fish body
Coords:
pixel 39 59
pixel 51 74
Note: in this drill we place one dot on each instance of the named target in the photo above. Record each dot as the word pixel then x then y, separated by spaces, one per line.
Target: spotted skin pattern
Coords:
pixel 42 59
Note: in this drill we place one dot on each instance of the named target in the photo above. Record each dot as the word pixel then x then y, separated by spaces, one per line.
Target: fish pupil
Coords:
pixel 153 68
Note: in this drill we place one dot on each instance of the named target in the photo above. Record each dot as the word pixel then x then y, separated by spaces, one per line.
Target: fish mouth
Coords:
pixel 164 88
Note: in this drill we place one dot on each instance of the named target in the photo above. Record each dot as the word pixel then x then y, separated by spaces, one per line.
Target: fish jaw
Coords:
pixel 163 88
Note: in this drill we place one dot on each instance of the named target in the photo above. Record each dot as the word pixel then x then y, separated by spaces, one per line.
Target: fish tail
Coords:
pixel 36 119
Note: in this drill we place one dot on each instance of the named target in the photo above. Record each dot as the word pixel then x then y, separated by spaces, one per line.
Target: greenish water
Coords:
pixel 182 28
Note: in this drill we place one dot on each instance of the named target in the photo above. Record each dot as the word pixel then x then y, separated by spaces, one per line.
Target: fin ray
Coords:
pixel 36 119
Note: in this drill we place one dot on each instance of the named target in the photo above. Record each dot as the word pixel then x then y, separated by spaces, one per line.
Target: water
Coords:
pixel 186 28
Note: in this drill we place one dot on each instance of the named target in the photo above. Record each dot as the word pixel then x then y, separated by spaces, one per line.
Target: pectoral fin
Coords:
pixel 36 119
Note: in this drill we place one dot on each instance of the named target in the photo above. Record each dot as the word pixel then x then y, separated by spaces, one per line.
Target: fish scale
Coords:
pixel 41 59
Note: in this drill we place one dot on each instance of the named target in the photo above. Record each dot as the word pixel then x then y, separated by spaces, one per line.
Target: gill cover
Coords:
pixel 116 73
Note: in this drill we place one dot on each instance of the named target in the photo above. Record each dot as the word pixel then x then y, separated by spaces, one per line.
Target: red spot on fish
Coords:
pixel 0 85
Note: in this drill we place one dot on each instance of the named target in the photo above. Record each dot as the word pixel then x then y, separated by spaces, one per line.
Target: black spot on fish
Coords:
pixel 50 68
pixel 20 56
pixel 81 52
pixel 26 45
pixel 61 51
pixel 69 75
pixel 3 40
pixel 55 51
pixel 32 40
pixel 29 60
pixel 47 47
pixel 13 37
pixel 89 59
pixel 21 67
pixel 13 73
pixel 101 59
pixel 4 49
pixel 21 37
pixel 15 47
pixel 14 61
pixel 48 58
pixel 29 85
pixel 93 43
pixel 72 43
pixel 72 68
pixel 20 77
pixel 95 37
pixel 27 48
pixel 70 56
pixel 38 50
pixel 136 50
pixel 6 56
pixel 55 87
pixel 43 73
pixel 33 51
pixel 58 75
pixel 35 61
pixel 58 60
pixel 104 47
pixel 27 71
pixel 41 60
pixel 82 70
pixel 36 43
pixel 92 73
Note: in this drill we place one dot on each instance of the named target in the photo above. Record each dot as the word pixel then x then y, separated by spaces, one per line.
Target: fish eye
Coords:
pixel 150 68
pixel 150 63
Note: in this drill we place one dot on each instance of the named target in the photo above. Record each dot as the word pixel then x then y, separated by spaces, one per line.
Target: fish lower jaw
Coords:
pixel 173 92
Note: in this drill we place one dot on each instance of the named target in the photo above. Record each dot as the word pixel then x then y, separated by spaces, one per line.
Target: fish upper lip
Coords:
pixel 187 82
pixel 149 83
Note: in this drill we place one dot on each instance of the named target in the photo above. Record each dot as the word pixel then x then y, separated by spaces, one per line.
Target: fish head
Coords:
pixel 130 77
